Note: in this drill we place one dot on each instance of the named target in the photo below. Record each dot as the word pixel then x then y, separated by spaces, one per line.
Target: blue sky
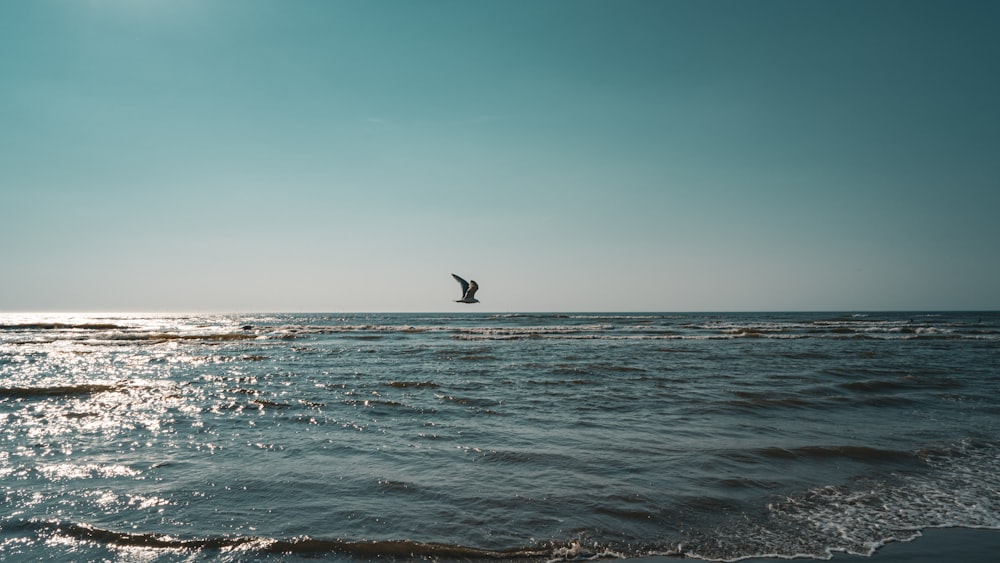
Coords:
pixel 569 155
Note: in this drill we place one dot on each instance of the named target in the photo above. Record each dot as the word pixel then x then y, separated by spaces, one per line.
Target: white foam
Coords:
pixel 959 489
pixel 576 551
pixel 962 489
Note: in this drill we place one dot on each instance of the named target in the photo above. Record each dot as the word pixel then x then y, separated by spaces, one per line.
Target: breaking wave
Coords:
pixel 248 545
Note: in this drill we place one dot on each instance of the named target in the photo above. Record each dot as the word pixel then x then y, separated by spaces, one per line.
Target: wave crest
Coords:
pixel 296 546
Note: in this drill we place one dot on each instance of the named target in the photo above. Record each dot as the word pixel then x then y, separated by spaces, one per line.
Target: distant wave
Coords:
pixel 61 326
pixel 527 326
pixel 168 336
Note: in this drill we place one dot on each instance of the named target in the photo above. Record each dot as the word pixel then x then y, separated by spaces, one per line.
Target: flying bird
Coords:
pixel 469 290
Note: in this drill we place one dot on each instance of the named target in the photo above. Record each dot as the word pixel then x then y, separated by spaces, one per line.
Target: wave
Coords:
pixel 158 337
pixel 514 327
pixel 412 384
pixel 854 453
pixel 755 403
pixel 955 486
pixel 305 546
pixel 960 492
pixel 55 391
pixel 907 382
pixel 61 326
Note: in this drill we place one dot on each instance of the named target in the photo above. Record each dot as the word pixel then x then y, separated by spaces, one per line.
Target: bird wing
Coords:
pixel 465 285
pixel 473 288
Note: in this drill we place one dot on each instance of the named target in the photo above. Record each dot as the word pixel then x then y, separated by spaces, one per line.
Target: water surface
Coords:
pixel 545 437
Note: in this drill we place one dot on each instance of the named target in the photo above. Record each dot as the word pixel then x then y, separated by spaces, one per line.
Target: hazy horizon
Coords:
pixel 479 311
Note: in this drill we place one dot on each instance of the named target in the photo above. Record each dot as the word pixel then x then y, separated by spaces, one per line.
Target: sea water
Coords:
pixel 473 436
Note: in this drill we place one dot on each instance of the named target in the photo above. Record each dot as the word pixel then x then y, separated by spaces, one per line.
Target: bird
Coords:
pixel 468 290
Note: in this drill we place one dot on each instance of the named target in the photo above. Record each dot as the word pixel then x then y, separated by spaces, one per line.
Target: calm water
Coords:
pixel 546 437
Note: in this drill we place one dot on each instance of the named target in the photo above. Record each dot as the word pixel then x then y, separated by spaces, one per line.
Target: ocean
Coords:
pixel 527 437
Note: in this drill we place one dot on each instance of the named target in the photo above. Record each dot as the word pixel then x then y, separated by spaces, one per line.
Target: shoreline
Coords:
pixel 939 544
pixel 969 545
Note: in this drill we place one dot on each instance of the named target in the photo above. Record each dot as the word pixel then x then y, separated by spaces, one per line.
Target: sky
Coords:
pixel 568 155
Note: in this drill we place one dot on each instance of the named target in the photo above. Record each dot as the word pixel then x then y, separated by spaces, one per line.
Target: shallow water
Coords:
pixel 718 436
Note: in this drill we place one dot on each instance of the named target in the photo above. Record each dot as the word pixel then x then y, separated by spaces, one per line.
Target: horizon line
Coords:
pixel 491 312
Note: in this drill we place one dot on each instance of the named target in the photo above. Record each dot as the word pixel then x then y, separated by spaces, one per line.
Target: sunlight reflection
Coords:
pixel 65 471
